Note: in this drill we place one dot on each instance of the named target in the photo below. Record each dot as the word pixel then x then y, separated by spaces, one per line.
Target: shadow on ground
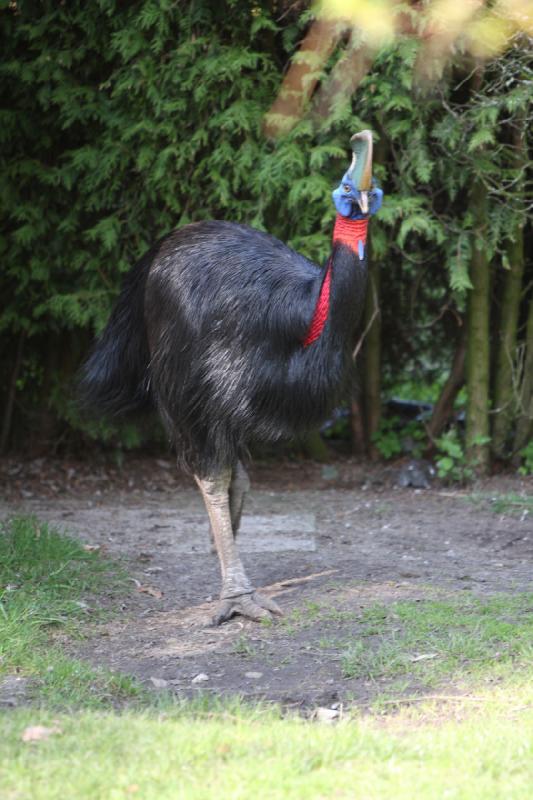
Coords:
pixel 327 544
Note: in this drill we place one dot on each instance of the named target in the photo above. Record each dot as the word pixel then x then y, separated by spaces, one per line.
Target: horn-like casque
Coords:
pixel 360 171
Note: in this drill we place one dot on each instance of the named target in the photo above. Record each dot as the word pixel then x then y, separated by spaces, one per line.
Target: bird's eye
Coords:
pixel 347 187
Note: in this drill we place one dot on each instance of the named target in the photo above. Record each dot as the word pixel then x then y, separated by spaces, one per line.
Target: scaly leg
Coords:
pixel 238 489
pixel 237 595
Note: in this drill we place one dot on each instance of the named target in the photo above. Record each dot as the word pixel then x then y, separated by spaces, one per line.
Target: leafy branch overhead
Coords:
pixel 121 122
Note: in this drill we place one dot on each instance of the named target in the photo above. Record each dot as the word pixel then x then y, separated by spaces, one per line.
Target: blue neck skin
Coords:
pixel 346 196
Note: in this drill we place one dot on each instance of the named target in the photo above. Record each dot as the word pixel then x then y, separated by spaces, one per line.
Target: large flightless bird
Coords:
pixel 233 337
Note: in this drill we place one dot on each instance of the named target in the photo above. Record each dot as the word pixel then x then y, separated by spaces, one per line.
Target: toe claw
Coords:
pixel 223 614
pixel 253 610
pixel 269 604
pixel 252 605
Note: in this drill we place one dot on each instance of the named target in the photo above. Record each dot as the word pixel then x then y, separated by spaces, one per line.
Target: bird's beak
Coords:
pixel 360 171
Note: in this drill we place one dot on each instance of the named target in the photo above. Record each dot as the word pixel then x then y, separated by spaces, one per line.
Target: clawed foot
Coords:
pixel 252 605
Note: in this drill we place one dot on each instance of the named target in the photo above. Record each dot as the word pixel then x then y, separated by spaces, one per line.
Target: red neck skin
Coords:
pixel 352 234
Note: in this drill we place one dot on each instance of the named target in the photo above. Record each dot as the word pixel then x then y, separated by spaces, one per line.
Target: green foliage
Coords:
pixel 387 438
pixel 526 468
pixel 392 438
pixel 124 121
pixel 452 463
pixel 338 429
pixel 416 390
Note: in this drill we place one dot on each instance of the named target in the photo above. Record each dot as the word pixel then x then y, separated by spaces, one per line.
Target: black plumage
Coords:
pixel 214 329
pixel 209 330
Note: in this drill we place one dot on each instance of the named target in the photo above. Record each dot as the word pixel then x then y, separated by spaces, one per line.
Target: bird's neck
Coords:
pixel 352 234
pixel 342 290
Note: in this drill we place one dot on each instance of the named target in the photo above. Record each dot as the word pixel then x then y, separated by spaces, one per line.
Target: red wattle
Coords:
pixel 321 310
pixel 348 232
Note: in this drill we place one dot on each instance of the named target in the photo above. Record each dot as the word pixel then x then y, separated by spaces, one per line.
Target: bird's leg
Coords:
pixel 237 595
pixel 239 488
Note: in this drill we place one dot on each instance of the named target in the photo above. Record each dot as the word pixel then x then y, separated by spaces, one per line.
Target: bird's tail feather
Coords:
pixel 115 379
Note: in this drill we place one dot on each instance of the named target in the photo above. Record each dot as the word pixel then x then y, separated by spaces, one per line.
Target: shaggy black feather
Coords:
pixel 114 380
pixel 209 328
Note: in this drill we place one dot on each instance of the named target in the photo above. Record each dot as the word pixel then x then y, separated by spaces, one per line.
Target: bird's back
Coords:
pixel 232 277
pixel 227 309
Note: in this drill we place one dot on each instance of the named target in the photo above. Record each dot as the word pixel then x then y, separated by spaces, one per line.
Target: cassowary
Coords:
pixel 233 337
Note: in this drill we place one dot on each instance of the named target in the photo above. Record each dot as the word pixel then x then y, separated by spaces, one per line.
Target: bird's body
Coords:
pixel 227 312
pixel 232 337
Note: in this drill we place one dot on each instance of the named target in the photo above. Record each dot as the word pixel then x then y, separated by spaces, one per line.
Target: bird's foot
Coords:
pixel 251 604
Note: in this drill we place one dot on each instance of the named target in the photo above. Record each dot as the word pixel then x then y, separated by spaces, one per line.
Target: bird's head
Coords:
pixel 357 195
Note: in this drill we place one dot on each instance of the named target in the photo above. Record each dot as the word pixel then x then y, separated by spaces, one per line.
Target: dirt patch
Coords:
pixel 326 542
pixel 14 691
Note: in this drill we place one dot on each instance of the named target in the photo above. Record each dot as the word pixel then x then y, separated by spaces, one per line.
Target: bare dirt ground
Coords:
pixel 325 541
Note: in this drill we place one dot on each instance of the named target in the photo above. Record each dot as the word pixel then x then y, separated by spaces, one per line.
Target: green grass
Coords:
pixel 312 612
pixel 255 753
pixel 510 503
pixel 118 741
pixel 47 582
pixel 244 648
pixel 436 640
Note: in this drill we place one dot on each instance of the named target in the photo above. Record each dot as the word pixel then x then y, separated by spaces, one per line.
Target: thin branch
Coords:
pixel 363 336
pixel 8 413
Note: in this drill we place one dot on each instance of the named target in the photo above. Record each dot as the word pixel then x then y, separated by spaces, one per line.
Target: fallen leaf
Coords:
pixel 36 733
pixel 159 683
pixel 327 715
pixel 151 590
pixel 423 657
pixel 200 678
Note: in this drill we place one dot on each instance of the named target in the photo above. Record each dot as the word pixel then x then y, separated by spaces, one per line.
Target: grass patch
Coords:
pixel 254 753
pixel 475 746
pixel 311 613
pixel 433 640
pixel 244 647
pixel 47 582
pixel 510 503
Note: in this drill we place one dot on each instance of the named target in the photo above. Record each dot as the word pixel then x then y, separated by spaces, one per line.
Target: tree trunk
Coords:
pixel 478 344
pixel 302 76
pixel 444 406
pixel 344 79
pixel 504 398
pixel 506 359
pixel 359 441
pixel 315 447
pixel 372 358
pixel 10 402
pixel 524 425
